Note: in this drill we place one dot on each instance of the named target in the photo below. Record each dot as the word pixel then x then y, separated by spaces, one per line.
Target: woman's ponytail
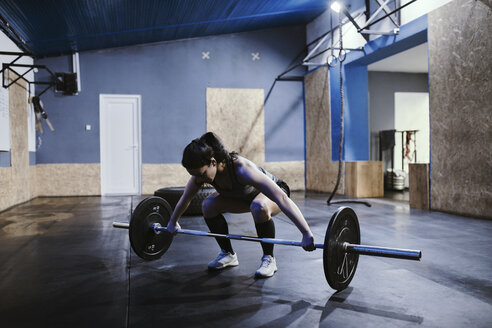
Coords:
pixel 211 139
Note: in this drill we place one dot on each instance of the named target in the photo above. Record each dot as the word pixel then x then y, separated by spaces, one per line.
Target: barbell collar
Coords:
pixel 396 253
pixel 121 225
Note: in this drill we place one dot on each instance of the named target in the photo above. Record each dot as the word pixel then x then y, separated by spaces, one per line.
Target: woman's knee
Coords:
pixel 209 207
pixel 260 211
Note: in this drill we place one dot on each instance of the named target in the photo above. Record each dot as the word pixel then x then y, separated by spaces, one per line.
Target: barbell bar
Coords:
pixel 397 253
pixel 341 247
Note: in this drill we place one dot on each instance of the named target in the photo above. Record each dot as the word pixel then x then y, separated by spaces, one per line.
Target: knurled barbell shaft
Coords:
pixel 405 254
pixel 240 237
pixel 397 253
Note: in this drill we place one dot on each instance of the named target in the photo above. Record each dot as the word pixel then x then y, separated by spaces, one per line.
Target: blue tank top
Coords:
pixel 238 190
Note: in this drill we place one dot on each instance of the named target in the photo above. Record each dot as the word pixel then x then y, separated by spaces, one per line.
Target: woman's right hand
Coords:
pixel 172 228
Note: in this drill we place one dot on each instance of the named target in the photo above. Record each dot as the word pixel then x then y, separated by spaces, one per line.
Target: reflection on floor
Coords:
pixel 397 195
pixel 64 265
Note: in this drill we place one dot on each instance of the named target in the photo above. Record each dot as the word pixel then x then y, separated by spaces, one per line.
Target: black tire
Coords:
pixel 173 194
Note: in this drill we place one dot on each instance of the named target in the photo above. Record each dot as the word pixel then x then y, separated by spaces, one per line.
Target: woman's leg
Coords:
pixel 212 207
pixel 216 204
pixel 262 208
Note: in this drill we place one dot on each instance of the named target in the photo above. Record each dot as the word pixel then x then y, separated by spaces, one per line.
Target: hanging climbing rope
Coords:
pixel 341 58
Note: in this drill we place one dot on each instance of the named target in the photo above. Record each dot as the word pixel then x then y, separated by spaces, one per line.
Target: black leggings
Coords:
pixel 218 224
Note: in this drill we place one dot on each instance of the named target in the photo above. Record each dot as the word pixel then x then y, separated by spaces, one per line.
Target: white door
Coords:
pixel 120 144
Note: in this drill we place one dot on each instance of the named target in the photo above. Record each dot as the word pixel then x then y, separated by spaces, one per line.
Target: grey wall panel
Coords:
pixel 460 46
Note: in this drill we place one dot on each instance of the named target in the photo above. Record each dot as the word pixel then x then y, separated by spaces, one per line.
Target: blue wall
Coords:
pixel 356 115
pixel 4 158
pixel 172 79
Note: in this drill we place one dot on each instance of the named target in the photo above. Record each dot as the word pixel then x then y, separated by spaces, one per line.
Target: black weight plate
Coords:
pixel 148 244
pixel 339 266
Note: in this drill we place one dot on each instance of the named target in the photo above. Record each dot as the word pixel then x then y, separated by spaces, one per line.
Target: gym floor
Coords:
pixel 64 265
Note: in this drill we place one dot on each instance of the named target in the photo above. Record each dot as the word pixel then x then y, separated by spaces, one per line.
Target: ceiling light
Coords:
pixel 335 6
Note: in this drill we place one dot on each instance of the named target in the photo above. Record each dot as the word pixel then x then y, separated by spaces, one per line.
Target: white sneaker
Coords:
pixel 267 268
pixel 224 260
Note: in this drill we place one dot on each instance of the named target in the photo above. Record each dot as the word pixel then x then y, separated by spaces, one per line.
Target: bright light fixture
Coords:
pixel 335 6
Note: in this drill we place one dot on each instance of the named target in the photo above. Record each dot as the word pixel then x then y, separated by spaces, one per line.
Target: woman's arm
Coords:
pixel 248 173
pixel 190 191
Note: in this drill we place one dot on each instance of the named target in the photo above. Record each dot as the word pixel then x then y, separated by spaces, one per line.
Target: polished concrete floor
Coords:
pixel 397 195
pixel 62 264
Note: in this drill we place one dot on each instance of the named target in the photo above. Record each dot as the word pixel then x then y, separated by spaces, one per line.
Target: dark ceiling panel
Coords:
pixel 55 27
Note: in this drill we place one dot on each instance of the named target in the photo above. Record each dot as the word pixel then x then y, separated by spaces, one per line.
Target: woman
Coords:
pixel 241 187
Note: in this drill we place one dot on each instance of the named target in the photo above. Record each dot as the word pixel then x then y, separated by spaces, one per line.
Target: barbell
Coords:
pixel 341 248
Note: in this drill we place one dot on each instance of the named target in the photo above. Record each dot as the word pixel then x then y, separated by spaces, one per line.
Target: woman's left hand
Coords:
pixel 308 242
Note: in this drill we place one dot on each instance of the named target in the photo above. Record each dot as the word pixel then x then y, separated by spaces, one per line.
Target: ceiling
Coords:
pixel 413 60
pixel 57 27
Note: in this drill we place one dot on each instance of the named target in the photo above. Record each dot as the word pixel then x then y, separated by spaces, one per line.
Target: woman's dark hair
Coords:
pixel 200 151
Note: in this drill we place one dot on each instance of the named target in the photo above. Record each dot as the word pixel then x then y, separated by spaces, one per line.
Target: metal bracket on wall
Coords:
pixel 10 67
pixel 369 21
pixel 363 30
pixel 350 17
pixel 65 82
pixel 307 61
pixel 383 6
